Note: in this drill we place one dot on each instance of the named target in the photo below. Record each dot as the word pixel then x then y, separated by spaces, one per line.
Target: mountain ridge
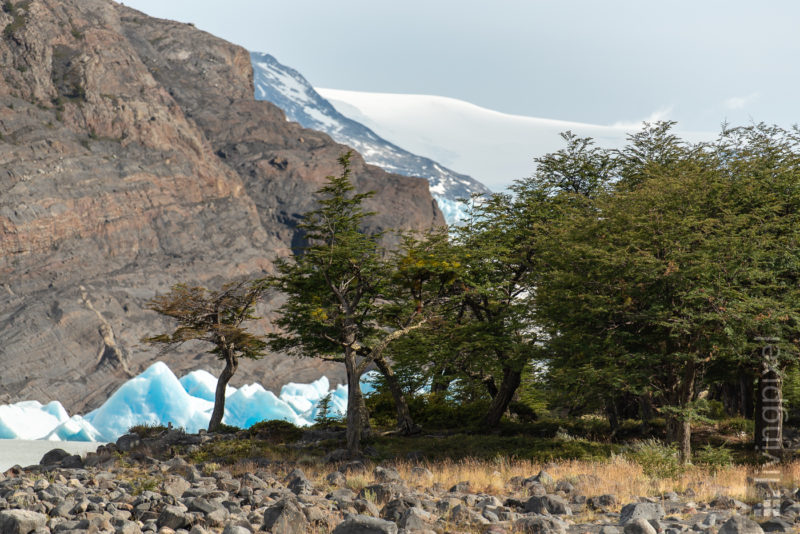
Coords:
pixel 133 156
pixel 289 90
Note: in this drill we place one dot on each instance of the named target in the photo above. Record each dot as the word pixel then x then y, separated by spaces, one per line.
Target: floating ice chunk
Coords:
pixel 157 397
pixel 252 403
pixel 203 384
pixel 75 428
pixel 154 397
pixel 29 419
pixel 313 391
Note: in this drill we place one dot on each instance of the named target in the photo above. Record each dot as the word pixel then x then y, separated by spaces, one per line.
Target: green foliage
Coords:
pixel 323 418
pixel 213 316
pixel 276 431
pixel 716 410
pixel 142 484
pixel 736 425
pixel 222 428
pixel 714 458
pixel 656 459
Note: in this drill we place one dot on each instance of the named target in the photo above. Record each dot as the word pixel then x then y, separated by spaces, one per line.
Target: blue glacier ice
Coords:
pixel 157 397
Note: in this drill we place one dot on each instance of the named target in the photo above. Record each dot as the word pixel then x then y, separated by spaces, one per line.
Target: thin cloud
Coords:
pixel 658 115
pixel 738 102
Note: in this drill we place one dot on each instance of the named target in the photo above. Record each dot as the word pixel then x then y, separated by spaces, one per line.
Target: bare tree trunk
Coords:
pixel 231 364
pixel 612 415
pixel 511 381
pixel 355 404
pixel 405 424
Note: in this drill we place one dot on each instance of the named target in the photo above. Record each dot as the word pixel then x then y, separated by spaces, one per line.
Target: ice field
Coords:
pixel 157 396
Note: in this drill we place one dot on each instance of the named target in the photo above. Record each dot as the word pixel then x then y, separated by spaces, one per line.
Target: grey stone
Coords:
pixel 639 525
pixel 21 521
pixel 362 524
pixel 415 519
pixel 540 525
pixel 552 504
pixel 336 479
pixel 285 517
pixel 173 517
pixel 643 510
pixel 738 524
pixel 128 527
pixel 396 508
pixel 461 487
pixel 387 474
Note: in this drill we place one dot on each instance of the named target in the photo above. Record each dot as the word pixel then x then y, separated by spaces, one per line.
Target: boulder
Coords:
pixel 739 524
pixel 552 504
pixel 776 524
pixel 644 510
pixel 174 517
pixel 21 521
pixel 540 525
pixel 285 517
pixel 362 524
pixel 639 526
pixel 53 457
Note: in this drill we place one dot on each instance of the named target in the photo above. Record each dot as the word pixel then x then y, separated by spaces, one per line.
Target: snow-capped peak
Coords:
pixel 289 90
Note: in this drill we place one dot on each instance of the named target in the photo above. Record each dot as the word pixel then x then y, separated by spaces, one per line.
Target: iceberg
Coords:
pixel 158 397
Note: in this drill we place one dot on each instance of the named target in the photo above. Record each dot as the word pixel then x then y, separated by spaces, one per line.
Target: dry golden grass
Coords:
pixel 619 476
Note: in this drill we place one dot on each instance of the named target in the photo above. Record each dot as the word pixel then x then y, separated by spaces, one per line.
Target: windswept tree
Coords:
pixel 216 317
pixel 344 302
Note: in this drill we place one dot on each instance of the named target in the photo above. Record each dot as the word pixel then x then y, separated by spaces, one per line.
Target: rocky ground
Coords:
pixel 141 485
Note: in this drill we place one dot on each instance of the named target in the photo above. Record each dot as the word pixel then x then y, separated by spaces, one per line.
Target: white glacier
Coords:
pixel 156 396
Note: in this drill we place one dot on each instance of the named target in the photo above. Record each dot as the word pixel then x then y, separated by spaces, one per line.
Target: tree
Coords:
pixel 217 318
pixel 684 262
pixel 341 303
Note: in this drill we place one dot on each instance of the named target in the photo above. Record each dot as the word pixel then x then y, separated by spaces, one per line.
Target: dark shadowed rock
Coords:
pixel 776 524
pixel 53 457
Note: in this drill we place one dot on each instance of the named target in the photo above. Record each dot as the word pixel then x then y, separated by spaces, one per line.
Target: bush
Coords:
pixel 147 430
pixel 736 425
pixel 227 429
pixel 714 458
pixel 276 431
pixel 656 459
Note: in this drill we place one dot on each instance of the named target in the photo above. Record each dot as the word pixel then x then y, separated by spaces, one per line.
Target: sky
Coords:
pixel 610 62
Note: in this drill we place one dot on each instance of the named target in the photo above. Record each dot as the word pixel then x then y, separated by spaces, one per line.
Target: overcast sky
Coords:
pixel 699 63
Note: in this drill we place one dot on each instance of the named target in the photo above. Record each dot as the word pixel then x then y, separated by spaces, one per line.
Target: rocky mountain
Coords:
pixel 290 91
pixel 133 156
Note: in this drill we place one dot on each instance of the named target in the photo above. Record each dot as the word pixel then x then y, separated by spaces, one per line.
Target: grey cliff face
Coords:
pixel 133 157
